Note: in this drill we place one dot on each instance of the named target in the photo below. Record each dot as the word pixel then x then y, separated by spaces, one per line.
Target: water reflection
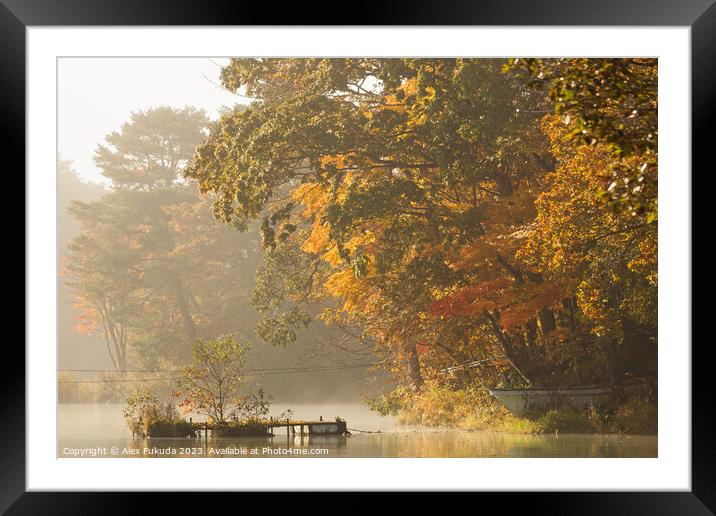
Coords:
pixel 100 427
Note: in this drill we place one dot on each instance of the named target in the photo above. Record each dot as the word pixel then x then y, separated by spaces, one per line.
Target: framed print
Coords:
pixel 448 252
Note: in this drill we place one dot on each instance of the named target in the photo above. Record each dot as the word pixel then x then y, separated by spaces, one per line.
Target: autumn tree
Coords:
pixel 410 199
pixel 380 172
pixel 612 103
pixel 152 268
pixel 106 286
pixel 608 260
pixel 597 225
pixel 211 384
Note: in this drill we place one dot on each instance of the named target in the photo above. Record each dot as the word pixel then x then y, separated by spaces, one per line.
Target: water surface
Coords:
pixel 98 430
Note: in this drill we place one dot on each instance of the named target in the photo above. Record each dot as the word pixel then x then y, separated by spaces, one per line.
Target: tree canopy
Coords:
pixel 152 269
pixel 450 211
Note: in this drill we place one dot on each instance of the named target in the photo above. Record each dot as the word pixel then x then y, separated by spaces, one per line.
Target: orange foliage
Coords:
pixel 473 299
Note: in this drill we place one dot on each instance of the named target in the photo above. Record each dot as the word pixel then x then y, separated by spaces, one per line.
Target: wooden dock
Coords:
pixel 295 427
pixel 312 427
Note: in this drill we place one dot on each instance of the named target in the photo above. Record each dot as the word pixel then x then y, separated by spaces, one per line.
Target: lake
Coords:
pixel 98 430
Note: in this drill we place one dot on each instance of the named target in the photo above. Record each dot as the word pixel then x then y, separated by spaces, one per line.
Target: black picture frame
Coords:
pixel 700 15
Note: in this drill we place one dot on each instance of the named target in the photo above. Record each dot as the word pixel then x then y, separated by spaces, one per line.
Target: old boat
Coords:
pixel 526 401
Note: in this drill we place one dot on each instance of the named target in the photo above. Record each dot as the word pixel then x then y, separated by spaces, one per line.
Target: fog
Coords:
pixel 97 95
pixel 95 98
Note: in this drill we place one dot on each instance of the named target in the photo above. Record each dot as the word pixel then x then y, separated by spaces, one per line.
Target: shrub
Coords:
pixel 637 416
pixel 441 406
pixel 146 416
pixel 163 428
pixel 388 404
pixel 568 420
pixel 473 408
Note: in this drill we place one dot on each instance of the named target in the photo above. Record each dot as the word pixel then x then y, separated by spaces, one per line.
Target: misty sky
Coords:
pixel 97 95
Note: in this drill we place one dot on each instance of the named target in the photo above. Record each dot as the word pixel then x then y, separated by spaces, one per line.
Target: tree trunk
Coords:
pixel 546 315
pixel 503 185
pixel 119 341
pixel 568 305
pixel 514 271
pixel 531 331
pixel 416 377
pixel 507 348
pixel 547 321
pixel 123 348
pixel 615 369
pixel 187 319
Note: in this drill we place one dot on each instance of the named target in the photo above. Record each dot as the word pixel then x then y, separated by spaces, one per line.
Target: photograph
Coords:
pixel 436 249
pixel 357 257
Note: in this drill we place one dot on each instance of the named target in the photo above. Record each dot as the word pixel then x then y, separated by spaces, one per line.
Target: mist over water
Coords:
pixel 100 426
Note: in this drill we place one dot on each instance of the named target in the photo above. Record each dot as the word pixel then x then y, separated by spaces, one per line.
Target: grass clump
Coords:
pixel 436 405
pixel 635 415
pixel 146 416
pixel 473 408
